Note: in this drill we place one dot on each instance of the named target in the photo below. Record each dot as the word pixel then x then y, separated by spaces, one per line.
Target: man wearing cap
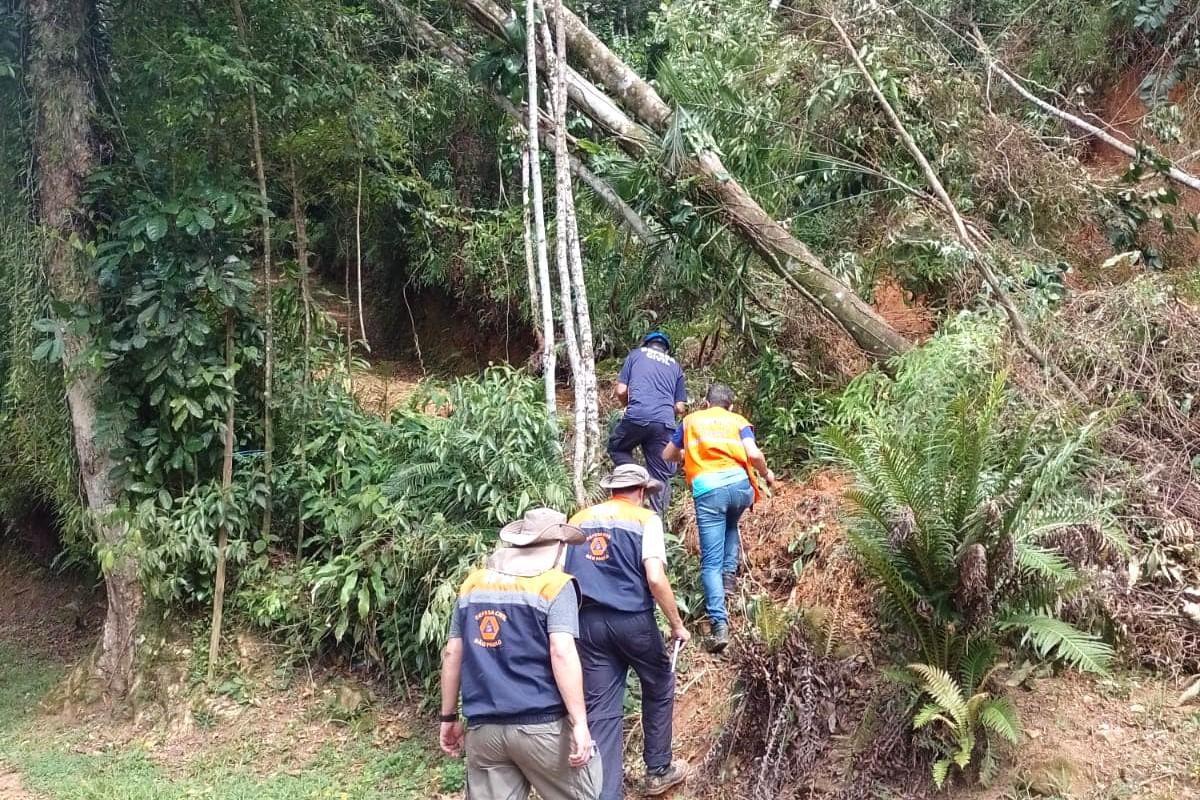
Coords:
pixel 652 388
pixel 511 652
pixel 719 456
pixel 621 570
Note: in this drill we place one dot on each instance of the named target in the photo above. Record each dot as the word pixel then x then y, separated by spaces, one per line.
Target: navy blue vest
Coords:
pixel 608 565
pixel 507 677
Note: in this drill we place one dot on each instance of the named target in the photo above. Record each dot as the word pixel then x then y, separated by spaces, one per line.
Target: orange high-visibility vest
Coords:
pixel 712 440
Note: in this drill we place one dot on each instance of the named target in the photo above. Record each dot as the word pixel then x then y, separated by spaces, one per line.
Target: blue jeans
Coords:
pixel 717 515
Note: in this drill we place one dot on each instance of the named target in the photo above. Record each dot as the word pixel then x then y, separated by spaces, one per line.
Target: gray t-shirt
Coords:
pixel 561 617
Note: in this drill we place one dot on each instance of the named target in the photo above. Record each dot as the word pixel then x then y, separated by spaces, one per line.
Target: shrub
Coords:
pixel 396 512
pixel 952 514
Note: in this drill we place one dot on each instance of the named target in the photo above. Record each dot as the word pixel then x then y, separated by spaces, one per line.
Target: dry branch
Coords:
pixel 1174 173
pixel 1016 320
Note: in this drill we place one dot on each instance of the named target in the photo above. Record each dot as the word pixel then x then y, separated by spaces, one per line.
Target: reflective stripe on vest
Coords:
pixel 506 669
pixel 712 440
pixel 608 565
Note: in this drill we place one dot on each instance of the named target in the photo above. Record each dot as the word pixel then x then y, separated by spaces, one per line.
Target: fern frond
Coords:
pixel 1051 636
pixel 1000 717
pixel 938 684
pixel 1047 565
pixel 976 663
pixel 989 765
pixel 941 768
pixel 932 712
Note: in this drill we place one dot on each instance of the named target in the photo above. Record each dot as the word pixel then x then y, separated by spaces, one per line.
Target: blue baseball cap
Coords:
pixel 657 336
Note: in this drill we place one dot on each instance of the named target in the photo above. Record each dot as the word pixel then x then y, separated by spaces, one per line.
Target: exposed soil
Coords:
pixel 1104 739
pixel 903 310
pixel 47 614
pixel 10 787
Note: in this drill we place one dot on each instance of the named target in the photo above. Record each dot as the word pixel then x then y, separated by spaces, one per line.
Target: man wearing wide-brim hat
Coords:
pixel 511 652
pixel 621 570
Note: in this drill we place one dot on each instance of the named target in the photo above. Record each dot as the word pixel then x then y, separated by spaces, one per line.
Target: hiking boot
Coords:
pixel 664 779
pixel 719 639
pixel 730 580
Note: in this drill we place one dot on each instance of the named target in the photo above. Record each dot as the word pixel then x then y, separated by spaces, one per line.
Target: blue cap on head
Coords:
pixel 657 336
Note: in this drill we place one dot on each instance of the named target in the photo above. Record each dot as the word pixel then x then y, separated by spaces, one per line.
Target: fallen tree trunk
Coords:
pixel 785 255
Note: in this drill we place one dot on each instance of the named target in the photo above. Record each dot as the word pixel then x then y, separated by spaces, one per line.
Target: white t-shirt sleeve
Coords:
pixel 654 542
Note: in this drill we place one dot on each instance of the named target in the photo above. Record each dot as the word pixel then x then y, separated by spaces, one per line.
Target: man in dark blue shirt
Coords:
pixel 652 388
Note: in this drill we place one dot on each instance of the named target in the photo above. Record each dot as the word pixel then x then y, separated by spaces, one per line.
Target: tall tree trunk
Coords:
pixel 362 326
pixel 582 313
pixel 64 153
pixel 531 274
pixel 425 34
pixel 268 301
pixel 218 610
pixel 783 253
pixel 539 215
pixel 300 222
pixel 566 300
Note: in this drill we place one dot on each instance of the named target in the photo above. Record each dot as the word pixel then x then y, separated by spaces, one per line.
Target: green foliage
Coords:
pixel 54 761
pixel 1131 208
pixel 394 513
pixel 966 719
pixel 953 514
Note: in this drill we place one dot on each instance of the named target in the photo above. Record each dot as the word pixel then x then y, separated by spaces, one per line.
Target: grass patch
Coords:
pixel 61 763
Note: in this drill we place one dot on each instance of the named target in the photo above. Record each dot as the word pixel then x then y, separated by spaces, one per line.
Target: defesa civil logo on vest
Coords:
pixel 598 547
pixel 490 623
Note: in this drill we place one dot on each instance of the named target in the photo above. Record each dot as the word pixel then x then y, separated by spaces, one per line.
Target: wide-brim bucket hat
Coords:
pixel 631 476
pixel 541 526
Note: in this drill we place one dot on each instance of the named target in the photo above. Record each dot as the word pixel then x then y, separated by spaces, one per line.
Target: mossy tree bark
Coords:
pixel 65 152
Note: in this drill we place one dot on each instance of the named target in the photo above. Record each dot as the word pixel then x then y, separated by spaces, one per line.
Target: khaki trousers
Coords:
pixel 504 761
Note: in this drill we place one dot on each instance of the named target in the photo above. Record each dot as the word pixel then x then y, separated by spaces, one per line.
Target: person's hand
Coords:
pixel 680 633
pixel 771 478
pixel 451 738
pixel 581 744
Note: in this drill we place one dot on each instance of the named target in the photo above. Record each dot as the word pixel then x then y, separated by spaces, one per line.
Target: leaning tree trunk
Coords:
pixel 218 609
pixel 64 152
pixel 775 244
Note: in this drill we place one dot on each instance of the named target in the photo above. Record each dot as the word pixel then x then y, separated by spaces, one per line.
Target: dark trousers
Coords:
pixel 610 642
pixel 651 437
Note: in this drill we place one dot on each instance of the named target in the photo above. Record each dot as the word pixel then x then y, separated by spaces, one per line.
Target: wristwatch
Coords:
pixel 452 717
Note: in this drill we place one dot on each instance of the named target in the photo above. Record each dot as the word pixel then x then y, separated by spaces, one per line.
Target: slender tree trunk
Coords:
pixel 783 253
pixel 362 326
pixel 64 154
pixel 566 300
pixel 214 639
pixel 535 306
pixel 539 216
pixel 430 37
pixel 300 222
pixel 268 300
pixel 583 317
